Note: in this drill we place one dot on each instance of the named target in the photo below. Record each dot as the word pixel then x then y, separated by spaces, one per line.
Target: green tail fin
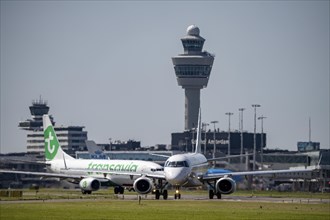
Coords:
pixel 53 149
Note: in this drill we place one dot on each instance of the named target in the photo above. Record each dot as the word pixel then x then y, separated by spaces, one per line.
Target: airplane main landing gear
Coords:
pixel 161 190
pixel 211 194
pixel 165 194
pixel 158 193
pixel 86 192
pixel 212 190
pixel 118 190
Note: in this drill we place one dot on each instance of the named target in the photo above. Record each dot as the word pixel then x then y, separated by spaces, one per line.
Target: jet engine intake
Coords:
pixel 226 185
pixel 142 185
pixel 89 184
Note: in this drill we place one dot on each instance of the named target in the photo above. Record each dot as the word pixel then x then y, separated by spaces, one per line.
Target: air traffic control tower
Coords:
pixel 192 69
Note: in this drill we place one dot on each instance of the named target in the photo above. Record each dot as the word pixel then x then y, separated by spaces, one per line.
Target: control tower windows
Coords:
pixel 192 70
pixel 192 45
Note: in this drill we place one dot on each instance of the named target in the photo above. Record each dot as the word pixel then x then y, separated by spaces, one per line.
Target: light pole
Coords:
pixel 255 106
pixel 193 141
pixel 110 144
pixel 205 141
pixel 214 143
pixel 262 140
pixel 228 153
pixel 241 130
pixel 187 139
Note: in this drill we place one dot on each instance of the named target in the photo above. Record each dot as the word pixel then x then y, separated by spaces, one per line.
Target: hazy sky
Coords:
pixel 107 66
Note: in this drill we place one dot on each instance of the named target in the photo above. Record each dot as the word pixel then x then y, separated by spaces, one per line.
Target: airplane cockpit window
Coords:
pixel 176 164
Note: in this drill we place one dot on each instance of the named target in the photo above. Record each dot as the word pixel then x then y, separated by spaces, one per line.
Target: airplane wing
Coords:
pixel 108 172
pixel 248 173
pixel 59 175
pixel 226 157
pixel 161 155
pixel 22 161
pixel 72 176
pixel 56 175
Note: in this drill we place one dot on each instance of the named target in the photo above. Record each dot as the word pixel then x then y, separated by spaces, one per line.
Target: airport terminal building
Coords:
pixel 71 138
pixel 185 141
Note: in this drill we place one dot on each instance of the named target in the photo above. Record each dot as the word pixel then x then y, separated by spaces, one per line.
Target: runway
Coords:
pixel 191 198
pixel 233 198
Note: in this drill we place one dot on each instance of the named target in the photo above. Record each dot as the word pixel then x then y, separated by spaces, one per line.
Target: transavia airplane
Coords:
pixel 180 170
pixel 89 173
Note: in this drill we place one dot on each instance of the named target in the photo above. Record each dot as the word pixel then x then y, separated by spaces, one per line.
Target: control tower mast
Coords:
pixel 192 69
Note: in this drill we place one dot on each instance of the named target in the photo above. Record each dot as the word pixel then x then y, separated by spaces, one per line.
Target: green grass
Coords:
pixel 276 194
pixel 171 209
pixel 46 204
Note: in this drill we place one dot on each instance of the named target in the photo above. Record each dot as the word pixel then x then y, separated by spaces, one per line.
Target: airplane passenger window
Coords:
pixel 157 169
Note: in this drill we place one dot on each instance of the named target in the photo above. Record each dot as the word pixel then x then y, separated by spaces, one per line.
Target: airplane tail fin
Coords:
pixel 198 148
pixel 95 151
pixel 53 149
pixel 92 147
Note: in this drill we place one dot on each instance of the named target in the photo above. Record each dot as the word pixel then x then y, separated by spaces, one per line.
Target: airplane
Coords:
pixel 180 170
pixel 90 173
pixel 190 170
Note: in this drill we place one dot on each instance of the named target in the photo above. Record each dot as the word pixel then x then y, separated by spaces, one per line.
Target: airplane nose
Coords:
pixel 175 176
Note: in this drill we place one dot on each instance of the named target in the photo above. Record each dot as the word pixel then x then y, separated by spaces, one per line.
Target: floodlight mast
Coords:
pixel 205 141
pixel 241 130
pixel 228 152
pixel 262 140
pixel 255 106
pixel 214 141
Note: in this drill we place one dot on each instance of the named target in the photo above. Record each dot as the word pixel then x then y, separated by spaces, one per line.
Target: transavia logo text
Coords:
pixel 129 167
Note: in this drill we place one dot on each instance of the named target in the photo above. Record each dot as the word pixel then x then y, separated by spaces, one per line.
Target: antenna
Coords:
pixel 310 131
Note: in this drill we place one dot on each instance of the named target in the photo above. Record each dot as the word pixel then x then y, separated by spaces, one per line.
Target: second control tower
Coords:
pixel 192 69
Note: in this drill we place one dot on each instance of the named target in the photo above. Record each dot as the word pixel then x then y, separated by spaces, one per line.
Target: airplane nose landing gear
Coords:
pixel 177 194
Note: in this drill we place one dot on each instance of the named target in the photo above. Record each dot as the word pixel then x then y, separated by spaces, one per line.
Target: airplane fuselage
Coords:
pixel 184 169
pixel 94 168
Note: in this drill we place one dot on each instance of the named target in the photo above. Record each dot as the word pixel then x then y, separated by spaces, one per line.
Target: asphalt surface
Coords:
pixel 225 198
pixel 232 198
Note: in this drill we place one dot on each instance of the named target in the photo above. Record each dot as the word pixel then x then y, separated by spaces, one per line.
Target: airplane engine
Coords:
pixel 89 184
pixel 226 185
pixel 142 185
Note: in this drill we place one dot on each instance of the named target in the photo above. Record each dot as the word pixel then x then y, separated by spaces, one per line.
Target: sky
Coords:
pixel 106 65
